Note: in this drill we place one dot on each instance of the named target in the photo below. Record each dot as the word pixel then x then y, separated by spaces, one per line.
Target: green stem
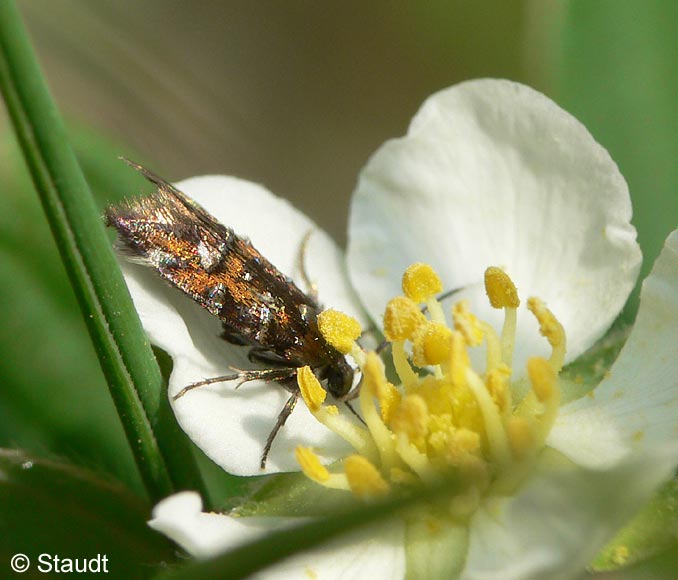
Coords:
pixel 125 356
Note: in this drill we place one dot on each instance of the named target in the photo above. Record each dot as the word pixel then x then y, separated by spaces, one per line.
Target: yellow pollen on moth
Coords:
pixel 364 478
pixel 402 318
pixel 500 289
pixel 311 390
pixel 310 464
pixel 339 329
pixel 421 282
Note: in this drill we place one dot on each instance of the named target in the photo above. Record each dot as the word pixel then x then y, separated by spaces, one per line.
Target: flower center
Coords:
pixel 444 418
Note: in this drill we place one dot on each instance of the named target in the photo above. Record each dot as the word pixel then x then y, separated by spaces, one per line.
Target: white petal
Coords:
pixel 557 523
pixel 493 173
pixel 231 426
pixel 636 407
pixel 368 554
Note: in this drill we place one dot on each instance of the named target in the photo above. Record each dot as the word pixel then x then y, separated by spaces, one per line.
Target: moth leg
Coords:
pixel 311 287
pixel 264 355
pixel 242 377
pixel 282 417
pixel 350 408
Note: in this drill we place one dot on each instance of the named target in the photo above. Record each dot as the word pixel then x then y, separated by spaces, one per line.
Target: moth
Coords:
pixel 258 306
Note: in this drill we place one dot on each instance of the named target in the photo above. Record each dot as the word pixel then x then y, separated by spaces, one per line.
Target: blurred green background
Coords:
pixel 294 95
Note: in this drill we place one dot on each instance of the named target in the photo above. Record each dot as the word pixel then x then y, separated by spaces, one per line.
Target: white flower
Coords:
pixel 491 173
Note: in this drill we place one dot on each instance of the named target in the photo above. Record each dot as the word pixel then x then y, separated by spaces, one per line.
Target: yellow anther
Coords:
pixel 401 318
pixel 374 379
pixel 549 326
pixel 500 289
pixel 339 329
pixel 467 323
pixel 389 399
pixel 310 464
pixel 461 443
pixel 411 417
pixel 520 436
pixel 311 390
pixel 421 282
pixel 400 476
pixel 431 345
pixel 542 377
pixel 364 478
pixel 497 385
pixel 459 361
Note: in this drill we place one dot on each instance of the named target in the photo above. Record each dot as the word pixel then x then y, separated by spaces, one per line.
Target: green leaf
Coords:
pixel 124 354
pixel 663 566
pixel 58 509
pixel 652 531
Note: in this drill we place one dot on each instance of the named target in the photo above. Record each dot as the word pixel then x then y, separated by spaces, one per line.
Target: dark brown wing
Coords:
pixel 224 273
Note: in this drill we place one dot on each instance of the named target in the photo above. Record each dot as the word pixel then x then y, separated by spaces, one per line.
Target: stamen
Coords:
pixel 552 330
pixel 364 478
pixel 497 385
pixel 432 345
pixel 459 361
pixel 402 317
pixel 451 419
pixel 503 294
pixel 311 390
pixel 545 388
pixel 462 442
pixel 313 469
pixel 407 376
pixel 494 354
pixel 415 459
pixel 466 323
pixel 496 436
pixel 500 289
pixel 310 464
pixel 339 329
pixel 421 282
pixel 411 418
pixel 520 436
pixel 375 385
pixel 314 396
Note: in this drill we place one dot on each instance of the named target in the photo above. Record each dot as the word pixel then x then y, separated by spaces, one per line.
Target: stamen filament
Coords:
pixel 508 333
pixel 358 437
pixel 494 349
pixel 402 365
pixel 494 428
pixel 415 459
pixel 435 310
pixel 378 429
